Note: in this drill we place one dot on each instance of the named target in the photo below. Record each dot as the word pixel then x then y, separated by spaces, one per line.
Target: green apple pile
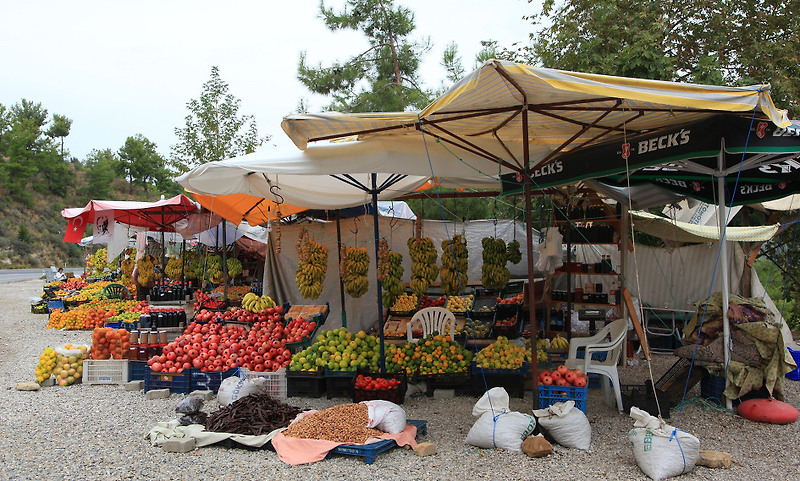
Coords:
pixel 338 350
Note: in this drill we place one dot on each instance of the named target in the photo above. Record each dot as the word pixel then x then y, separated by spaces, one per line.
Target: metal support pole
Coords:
pixel 529 251
pixel 380 288
pixel 224 261
pixel 339 253
pixel 723 254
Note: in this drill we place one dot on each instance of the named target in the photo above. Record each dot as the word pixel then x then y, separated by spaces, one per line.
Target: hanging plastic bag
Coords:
pixel 661 451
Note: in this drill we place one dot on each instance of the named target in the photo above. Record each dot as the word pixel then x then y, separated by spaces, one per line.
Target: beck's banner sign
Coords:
pixel 685 158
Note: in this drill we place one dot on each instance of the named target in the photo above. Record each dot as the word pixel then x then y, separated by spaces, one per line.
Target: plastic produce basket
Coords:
pixel 549 395
pixel 339 383
pixel 641 396
pixel 794 375
pixel 396 394
pixel 305 384
pixel 275 381
pixel 512 380
pixel 105 371
pixel 180 382
pixel 136 370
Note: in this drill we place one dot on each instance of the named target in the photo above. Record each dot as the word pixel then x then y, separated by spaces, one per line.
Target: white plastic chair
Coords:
pixel 608 340
pixel 433 319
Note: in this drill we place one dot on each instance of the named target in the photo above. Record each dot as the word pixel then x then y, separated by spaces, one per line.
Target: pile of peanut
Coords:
pixel 345 423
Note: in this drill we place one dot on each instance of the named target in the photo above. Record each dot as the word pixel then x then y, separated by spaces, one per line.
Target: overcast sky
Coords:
pixel 118 68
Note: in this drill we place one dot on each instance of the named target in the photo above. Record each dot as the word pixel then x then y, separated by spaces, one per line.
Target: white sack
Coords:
pixel 497 427
pixel 568 425
pixel 386 416
pixel 234 388
pixel 661 451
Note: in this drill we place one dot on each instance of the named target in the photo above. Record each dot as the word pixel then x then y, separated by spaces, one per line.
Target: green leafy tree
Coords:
pixel 26 151
pixel 101 170
pixel 382 78
pixel 59 129
pixel 721 42
pixel 139 161
pixel 214 129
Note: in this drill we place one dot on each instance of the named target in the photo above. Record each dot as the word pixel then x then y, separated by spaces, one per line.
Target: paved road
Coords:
pixel 16 275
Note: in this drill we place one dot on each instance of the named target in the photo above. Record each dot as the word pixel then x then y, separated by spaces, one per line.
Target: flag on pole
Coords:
pixel 75 229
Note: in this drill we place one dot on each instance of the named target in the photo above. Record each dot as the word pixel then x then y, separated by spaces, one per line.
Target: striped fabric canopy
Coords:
pixel 564 110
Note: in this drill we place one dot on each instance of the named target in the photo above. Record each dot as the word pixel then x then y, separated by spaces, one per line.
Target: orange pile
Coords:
pixel 108 343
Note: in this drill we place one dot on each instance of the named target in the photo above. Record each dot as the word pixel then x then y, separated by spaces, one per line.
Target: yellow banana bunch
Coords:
pixel 312 267
pixel 542 344
pixel 173 268
pixel 453 272
pixel 356 262
pixel 254 303
pixel 494 274
pixel 146 271
pixel 423 264
pixel 559 342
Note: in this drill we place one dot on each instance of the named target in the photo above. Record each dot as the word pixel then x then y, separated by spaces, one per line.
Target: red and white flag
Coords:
pixel 75 229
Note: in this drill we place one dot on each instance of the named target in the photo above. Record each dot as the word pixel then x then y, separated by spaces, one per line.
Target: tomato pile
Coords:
pixel 563 376
pixel 375 384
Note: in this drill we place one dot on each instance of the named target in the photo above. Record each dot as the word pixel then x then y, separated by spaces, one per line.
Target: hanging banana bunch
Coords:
pixel 100 260
pixel 423 264
pixel 312 267
pixel 494 274
pixel 390 272
pixel 355 280
pixel 173 268
pixel 214 269
pixel 277 236
pixel 513 253
pixel 234 267
pixel 146 271
pixel 194 265
pixel 453 272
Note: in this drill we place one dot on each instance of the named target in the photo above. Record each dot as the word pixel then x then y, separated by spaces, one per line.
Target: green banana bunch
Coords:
pixel 423 264
pixel 392 286
pixel 513 253
pixel 494 274
pixel 453 273
pixel 354 273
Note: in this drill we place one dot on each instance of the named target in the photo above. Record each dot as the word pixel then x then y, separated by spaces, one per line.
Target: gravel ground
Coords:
pixel 97 432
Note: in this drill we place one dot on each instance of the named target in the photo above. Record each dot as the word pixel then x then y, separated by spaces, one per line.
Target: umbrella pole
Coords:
pixel 722 221
pixel 339 253
pixel 529 253
pixel 224 261
pixel 380 288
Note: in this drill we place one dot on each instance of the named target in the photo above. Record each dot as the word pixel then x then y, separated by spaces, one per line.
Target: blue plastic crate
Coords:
pixel 210 380
pixel 137 370
pixel 370 451
pixel 794 375
pixel 549 395
pixel 180 382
